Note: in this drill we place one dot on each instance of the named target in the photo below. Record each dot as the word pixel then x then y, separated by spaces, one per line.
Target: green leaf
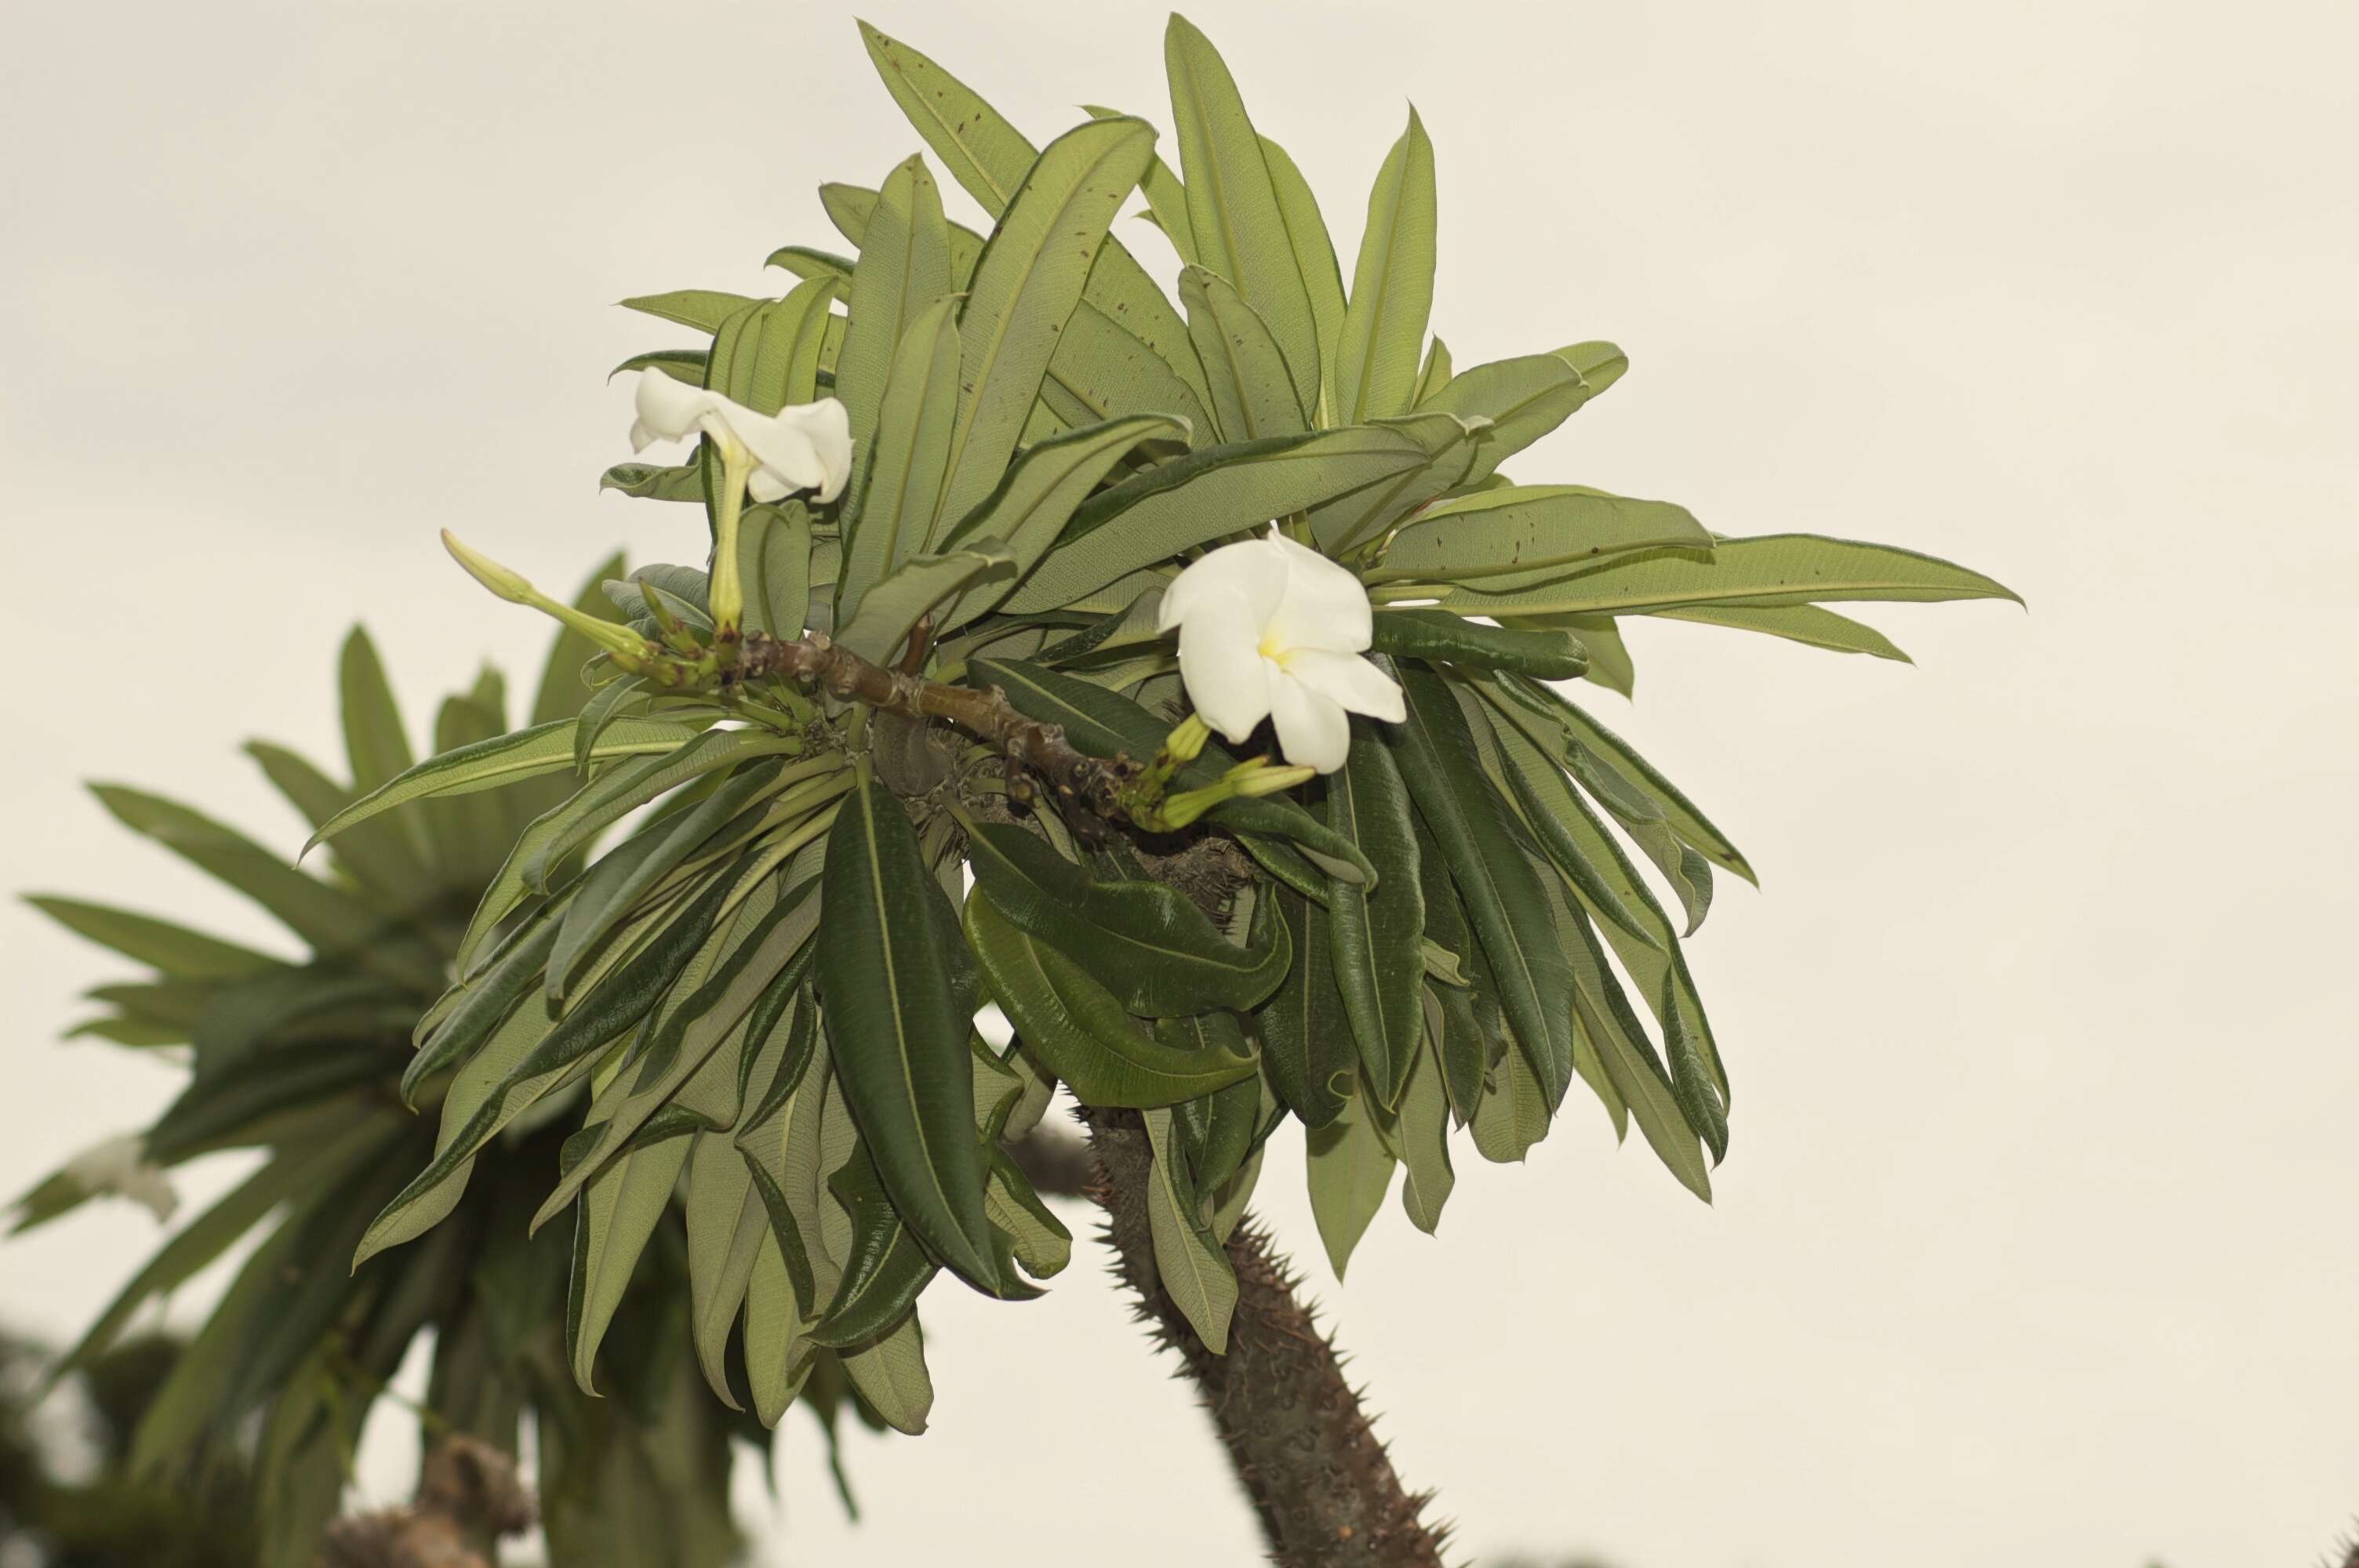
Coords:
pixel 888 611
pixel 1637 1074
pixel 1565 828
pixel 1527 534
pixel 1077 1028
pixel 1233 214
pixel 1625 781
pixel 1107 724
pixel 991 158
pixel 702 309
pixel 619 1215
pixel 774 562
pixel 1392 286
pixel 809 262
pixel 530 1056
pixel 1524 398
pixel 1805 623
pixel 1206 494
pixel 1350 1170
pixel 1143 940
pixel 1306 1036
pixel 1443 637
pixel 1314 258
pixel 335 923
pixel 726 1227
pixel 1436 373
pixel 374 739
pixel 1453 449
pixel 1026 282
pixel 1772 571
pixel 891 1376
pixel 681 365
pixel 1513 1114
pixel 619 791
pixel 1037 495
pixel 1194 1270
pixel 898 1025
pixel 1424 1139
pixel 504 760
pixel 1504 900
pixel 1378 939
pixel 905 266
pixel 174 950
pixel 1166 198
pixel 883 1271
pixel 903 491
pixel 1042 1243
pixel 1253 390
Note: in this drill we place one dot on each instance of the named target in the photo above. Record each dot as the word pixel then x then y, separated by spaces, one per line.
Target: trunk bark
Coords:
pixel 1304 1451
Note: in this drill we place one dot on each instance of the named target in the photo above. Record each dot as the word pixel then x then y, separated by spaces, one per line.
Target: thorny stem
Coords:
pixel 1322 1486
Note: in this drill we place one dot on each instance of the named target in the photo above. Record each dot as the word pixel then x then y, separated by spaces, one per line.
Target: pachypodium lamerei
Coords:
pixel 1002 535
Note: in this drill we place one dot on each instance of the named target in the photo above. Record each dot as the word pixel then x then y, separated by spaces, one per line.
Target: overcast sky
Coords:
pixel 2035 1242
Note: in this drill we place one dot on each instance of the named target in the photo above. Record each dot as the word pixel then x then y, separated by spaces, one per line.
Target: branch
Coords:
pixel 985 712
pixel 1323 1486
pixel 469 1494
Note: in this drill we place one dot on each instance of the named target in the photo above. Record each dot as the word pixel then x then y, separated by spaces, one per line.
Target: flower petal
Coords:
pixel 1221 666
pixel 827 424
pixel 1323 606
pixel 1248 574
pixel 668 410
pixel 1313 727
pixel 1347 679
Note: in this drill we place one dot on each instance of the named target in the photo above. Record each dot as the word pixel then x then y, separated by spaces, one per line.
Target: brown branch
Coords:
pixel 469 1494
pixel 985 712
pixel 1057 1165
pixel 1323 1486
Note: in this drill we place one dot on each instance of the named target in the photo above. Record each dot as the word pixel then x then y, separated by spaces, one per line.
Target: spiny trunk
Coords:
pixel 1304 1451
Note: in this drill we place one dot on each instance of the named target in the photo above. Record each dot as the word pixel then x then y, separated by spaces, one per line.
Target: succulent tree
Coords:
pixel 920 737
pixel 301 1061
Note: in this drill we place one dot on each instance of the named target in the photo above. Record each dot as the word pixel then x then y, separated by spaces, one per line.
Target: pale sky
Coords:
pixel 2034 1244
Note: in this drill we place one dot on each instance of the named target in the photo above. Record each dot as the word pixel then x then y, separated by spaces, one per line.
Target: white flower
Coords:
pixel 119 1166
pixel 1271 630
pixel 805 447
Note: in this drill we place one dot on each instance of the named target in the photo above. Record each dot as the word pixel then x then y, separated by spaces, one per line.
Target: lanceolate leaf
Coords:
pixel 1076 1028
pixel 507 759
pixel 990 158
pixel 1453 448
pixel 765 357
pixel 1306 1036
pixel 905 266
pixel 561 693
pixel 1504 900
pixel 1350 1170
pixel 1377 939
pixel 1204 495
pixel 1314 258
pixel 1193 1268
pixel 1524 398
pixel 1102 366
pixel 1443 637
pixel 702 309
pixel 1253 392
pixel 174 950
pixel 1143 940
pixel 1527 533
pixel 1771 570
pixel 1233 215
pixel 1392 287
pixel 1797 622
pixel 1026 283
pixel 1036 497
pixel 898 1024
pixel 903 489
pixel 920 583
